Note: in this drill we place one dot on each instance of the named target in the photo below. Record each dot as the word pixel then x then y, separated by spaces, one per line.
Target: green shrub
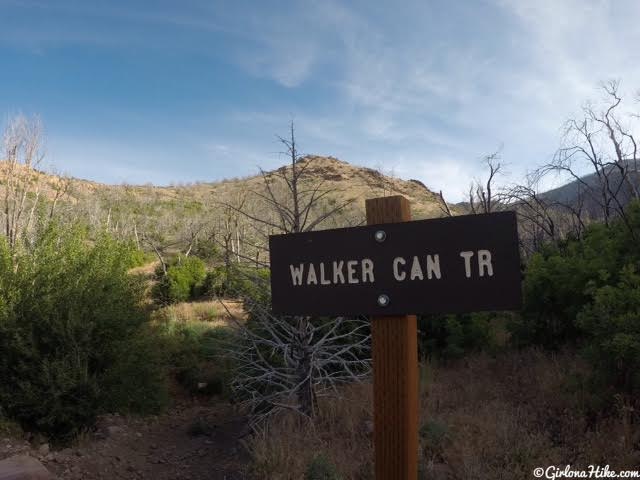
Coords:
pixel 555 287
pixel 136 382
pixel 586 292
pixel 215 283
pixel 70 332
pixel 612 324
pixel 140 257
pixel 453 336
pixel 250 284
pixel 185 343
pixel 207 250
pixel 559 280
pixel 195 354
pixel 321 468
pixel 182 282
pixel 239 282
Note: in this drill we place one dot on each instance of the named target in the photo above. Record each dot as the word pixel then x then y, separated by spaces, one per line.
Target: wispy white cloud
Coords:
pixel 422 93
pixel 427 87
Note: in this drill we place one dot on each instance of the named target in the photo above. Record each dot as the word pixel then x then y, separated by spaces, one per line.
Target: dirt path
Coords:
pixel 191 441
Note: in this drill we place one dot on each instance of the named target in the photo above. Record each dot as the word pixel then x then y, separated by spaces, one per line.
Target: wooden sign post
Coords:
pixel 390 270
pixel 395 372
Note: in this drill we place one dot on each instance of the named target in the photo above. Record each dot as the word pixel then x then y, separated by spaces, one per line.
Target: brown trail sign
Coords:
pixel 449 265
pixel 392 269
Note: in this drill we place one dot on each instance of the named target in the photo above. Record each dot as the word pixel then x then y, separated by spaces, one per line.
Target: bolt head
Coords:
pixel 380 236
pixel 383 300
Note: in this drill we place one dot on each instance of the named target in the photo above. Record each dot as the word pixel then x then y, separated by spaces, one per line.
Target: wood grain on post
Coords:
pixel 395 372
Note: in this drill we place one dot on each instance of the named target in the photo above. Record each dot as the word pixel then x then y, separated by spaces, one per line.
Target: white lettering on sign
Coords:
pixel 311 275
pixel 351 271
pixel 415 268
pixel 296 274
pixel 418 268
pixel 337 272
pixel 400 276
pixel 467 262
pixel 367 271
pixel 433 267
pixel 484 263
pixel 323 279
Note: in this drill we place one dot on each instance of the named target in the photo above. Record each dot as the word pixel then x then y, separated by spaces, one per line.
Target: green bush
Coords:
pixel 453 336
pixel 182 282
pixel 560 279
pixel 215 283
pixel 140 257
pixel 136 382
pixel 321 468
pixel 586 292
pixel 555 287
pixel 207 250
pixel 70 333
pixel 612 323
pixel 239 282
pixel 195 354
pixel 250 284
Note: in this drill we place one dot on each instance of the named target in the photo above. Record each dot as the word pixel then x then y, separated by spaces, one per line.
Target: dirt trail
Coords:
pixel 191 441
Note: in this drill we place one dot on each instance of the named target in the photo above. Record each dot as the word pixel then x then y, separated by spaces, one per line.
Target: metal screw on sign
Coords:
pixel 383 300
pixel 380 236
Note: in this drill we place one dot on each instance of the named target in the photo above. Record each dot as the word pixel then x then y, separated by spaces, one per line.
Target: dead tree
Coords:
pixel 292 195
pixel 600 156
pixel 159 235
pixel 62 186
pixel 444 206
pixel 158 245
pixel 231 230
pixel 537 214
pixel 291 202
pixel 482 198
pixel 191 233
pixel 23 153
pixel 624 157
pixel 307 354
pixel 156 238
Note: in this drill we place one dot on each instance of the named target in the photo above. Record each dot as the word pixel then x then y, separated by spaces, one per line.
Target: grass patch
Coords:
pixel 481 417
pixel 338 441
pixel 195 340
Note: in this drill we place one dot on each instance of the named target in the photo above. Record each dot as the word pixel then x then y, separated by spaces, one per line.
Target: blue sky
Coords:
pixel 177 91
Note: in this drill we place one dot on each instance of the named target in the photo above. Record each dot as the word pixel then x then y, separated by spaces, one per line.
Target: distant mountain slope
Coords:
pixel 346 181
pixel 587 190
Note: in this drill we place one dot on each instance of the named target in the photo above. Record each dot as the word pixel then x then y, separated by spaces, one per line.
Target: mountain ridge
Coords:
pixel 344 180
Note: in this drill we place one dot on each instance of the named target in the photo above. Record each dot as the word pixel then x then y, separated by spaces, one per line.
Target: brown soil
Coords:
pixel 192 440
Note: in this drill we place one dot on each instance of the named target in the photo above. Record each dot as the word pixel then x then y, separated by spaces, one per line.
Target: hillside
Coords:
pixel 587 190
pixel 345 181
